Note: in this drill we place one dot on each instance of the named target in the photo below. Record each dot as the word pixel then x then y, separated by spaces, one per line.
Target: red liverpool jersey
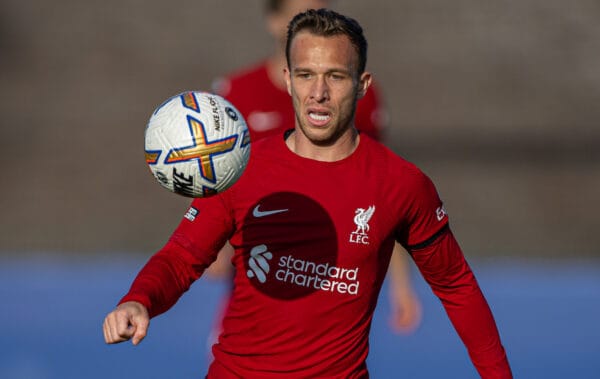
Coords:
pixel 312 245
pixel 268 109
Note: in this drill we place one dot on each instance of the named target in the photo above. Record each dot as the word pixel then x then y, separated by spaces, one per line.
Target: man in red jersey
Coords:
pixel 260 94
pixel 259 91
pixel 313 222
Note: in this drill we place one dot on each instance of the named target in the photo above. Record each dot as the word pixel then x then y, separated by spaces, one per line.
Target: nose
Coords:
pixel 320 89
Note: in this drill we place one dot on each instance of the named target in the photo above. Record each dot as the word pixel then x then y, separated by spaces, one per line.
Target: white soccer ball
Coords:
pixel 197 144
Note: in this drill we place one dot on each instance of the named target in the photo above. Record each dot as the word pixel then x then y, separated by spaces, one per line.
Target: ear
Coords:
pixel 288 79
pixel 364 82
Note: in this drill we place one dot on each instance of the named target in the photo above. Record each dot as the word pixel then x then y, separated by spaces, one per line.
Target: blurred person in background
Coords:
pixel 259 93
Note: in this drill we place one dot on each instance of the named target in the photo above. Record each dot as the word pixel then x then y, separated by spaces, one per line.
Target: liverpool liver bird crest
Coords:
pixel 361 219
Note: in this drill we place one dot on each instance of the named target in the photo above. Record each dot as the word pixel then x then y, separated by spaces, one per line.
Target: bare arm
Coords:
pixel 222 267
pixel 406 307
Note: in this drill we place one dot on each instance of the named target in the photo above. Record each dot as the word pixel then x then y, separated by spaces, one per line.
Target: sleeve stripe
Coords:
pixel 431 239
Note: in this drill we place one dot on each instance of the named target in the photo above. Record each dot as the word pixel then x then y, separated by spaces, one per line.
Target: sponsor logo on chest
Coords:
pixel 301 273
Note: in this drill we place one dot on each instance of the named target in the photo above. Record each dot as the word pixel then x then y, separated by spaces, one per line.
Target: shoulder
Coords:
pixel 391 169
pixel 386 158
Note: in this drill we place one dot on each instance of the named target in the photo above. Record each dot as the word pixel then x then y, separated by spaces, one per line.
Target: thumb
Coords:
pixel 140 325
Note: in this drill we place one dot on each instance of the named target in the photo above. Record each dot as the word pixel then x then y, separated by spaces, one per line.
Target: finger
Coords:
pixel 141 329
pixel 105 332
pixel 110 335
pixel 123 324
pixel 113 327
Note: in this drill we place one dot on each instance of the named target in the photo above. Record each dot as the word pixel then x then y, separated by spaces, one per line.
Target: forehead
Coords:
pixel 308 49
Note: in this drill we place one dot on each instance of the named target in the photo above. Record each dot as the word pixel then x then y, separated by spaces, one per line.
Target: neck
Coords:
pixel 341 148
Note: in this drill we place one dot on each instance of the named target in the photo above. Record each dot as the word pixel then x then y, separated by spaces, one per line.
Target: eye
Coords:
pixel 304 75
pixel 337 76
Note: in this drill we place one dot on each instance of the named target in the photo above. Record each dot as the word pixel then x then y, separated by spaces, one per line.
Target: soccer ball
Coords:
pixel 197 144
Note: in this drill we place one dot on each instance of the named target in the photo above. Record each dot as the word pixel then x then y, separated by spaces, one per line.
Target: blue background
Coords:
pixel 53 308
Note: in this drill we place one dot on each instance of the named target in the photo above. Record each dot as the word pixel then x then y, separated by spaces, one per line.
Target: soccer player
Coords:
pixel 259 93
pixel 313 221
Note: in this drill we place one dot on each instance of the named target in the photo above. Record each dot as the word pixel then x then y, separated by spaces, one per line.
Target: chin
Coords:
pixel 321 137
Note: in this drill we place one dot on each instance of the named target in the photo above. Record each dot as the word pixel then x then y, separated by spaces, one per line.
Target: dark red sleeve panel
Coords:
pixel 445 269
pixel 168 274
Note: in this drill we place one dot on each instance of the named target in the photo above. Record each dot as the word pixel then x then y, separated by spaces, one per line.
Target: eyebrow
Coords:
pixel 329 71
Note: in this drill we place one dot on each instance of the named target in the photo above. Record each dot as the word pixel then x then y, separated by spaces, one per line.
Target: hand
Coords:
pixel 406 307
pixel 406 311
pixel 129 321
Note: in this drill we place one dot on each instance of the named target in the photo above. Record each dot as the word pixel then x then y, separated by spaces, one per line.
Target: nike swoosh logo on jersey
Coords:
pixel 258 213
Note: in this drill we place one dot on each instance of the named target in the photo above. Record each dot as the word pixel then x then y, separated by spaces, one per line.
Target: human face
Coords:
pixel 325 85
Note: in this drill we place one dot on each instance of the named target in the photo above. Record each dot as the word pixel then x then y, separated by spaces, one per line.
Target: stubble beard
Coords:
pixel 331 134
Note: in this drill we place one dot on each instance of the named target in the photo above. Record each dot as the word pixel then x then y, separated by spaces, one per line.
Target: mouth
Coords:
pixel 319 118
